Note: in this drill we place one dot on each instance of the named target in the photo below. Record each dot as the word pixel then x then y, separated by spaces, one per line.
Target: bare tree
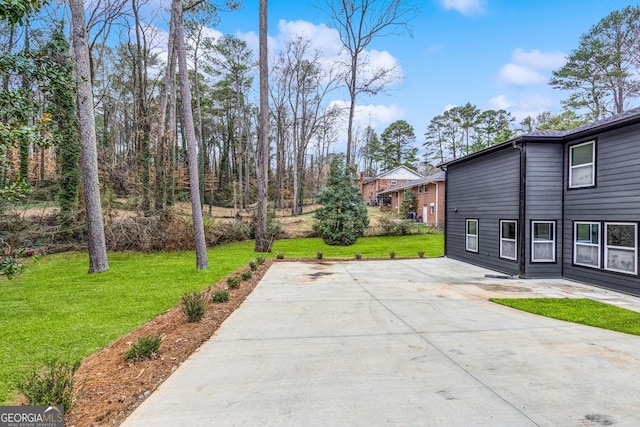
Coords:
pixel 189 135
pixel 359 22
pixel 98 261
pixel 305 84
pixel 262 238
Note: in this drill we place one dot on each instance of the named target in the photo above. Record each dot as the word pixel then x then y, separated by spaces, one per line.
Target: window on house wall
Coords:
pixel 419 189
pixel 426 188
pixel 432 208
pixel 394 181
pixel 543 241
pixel 621 248
pixel 508 243
pixel 586 246
pixel 472 235
pixel 582 165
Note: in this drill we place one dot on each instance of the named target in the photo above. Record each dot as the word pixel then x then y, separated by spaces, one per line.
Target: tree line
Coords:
pixel 146 115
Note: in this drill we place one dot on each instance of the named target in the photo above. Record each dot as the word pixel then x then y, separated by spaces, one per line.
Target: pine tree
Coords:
pixel 343 216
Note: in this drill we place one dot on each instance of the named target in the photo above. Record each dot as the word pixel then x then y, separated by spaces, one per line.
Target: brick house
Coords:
pixel 429 193
pixel 370 187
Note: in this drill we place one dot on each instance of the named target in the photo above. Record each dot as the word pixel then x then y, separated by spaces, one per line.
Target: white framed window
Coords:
pixel 582 165
pixel 419 189
pixel 472 235
pixel 508 242
pixel 586 244
pixel 426 188
pixel 543 241
pixel 432 208
pixel 621 247
pixel 394 181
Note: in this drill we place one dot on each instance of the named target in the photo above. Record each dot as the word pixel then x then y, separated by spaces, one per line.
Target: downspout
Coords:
pixel 437 202
pixel 446 191
pixel 560 253
pixel 522 207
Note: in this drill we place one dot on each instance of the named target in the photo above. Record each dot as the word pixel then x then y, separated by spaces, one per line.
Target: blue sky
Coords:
pixel 492 53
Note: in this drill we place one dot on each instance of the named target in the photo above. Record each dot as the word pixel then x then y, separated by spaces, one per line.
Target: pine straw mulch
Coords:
pixel 108 389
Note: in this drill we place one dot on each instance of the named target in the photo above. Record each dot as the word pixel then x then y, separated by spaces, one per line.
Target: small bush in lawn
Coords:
pixel 233 282
pixel 11 266
pixel 420 254
pixel 194 306
pixel 246 275
pixel 280 255
pixel 392 254
pixel 52 386
pixel 260 260
pixel 253 265
pixel 146 348
pixel 358 255
pixel 220 296
pixel 319 255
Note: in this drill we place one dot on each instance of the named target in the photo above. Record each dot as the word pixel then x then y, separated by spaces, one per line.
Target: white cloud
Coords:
pixel 530 68
pixel 539 60
pixel 500 102
pixel 466 7
pixel 519 75
pixel 529 105
pixel 449 107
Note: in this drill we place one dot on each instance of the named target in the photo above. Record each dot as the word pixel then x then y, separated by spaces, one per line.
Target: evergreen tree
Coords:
pixel 398 146
pixel 343 216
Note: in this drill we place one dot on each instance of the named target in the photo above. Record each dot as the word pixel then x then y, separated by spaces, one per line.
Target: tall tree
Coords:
pixel 98 261
pixel 263 243
pixel 397 144
pixel 359 22
pixel 601 74
pixel 189 136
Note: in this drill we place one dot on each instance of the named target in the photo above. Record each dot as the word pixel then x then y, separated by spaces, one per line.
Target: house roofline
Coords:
pixel 629 118
pixel 411 183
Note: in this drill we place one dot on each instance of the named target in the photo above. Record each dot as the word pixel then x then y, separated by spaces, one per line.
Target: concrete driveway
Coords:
pixel 402 343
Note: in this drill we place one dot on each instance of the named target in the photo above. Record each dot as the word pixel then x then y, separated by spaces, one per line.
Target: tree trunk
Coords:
pixel 189 136
pixel 98 261
pixel 263 243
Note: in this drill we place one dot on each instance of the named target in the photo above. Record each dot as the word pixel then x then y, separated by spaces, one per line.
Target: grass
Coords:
pixel 370 247
pixel 579 310
pixel 56 311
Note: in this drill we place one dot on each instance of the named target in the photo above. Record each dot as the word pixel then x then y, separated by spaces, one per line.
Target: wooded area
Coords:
pixel 181 111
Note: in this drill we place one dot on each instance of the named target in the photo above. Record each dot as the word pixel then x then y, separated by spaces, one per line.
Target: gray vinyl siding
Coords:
pixel 544 201
pixel 615 198
pixel 487 189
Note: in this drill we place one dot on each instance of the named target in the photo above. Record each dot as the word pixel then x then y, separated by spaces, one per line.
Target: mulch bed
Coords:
pixel 108 389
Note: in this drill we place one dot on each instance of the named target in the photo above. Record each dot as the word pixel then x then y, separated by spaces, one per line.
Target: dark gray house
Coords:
pixel 552 204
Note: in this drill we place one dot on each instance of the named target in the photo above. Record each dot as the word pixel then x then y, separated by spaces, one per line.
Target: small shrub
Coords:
pixel 319 255
pixel 253 265
pixel 391 225
pixel 194 306
pixel 246 275
pixel 11 266
pixel 358 255
pixel 220 296
pixel 233 282
pixel 260 260
pixel 280 255
pixel 146 348
pixel 51 387
pixel 392 254
pixel 420 254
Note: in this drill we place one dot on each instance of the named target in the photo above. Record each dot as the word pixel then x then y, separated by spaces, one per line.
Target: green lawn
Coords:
pixel 56 310
pixel 579 310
